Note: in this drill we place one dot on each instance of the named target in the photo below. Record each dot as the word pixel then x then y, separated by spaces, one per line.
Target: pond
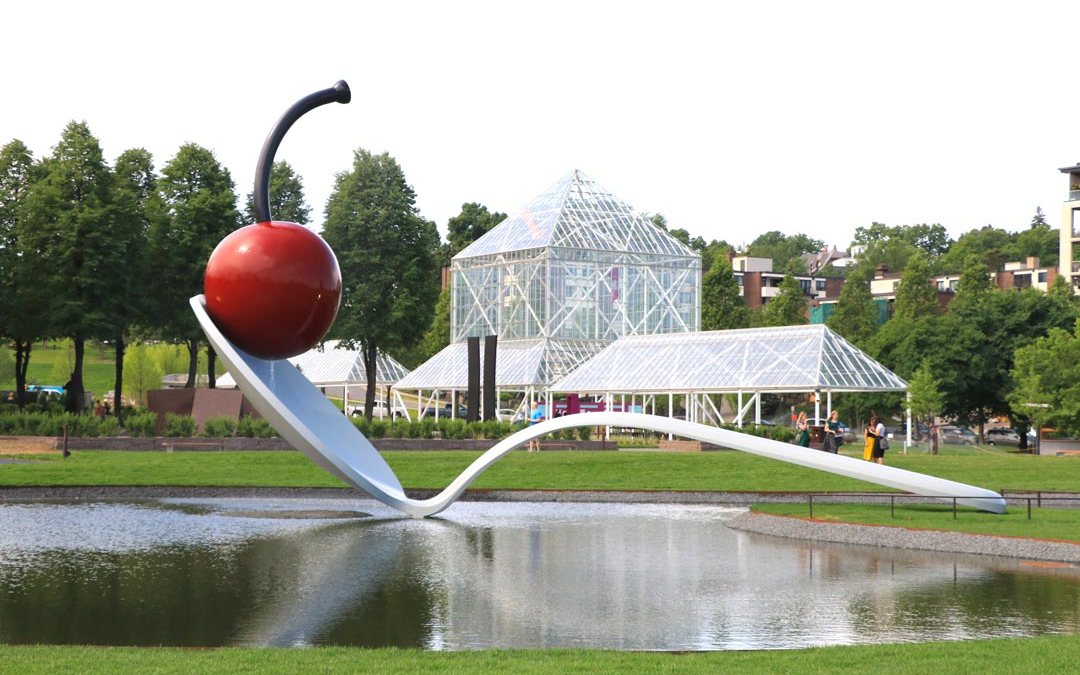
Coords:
pixel 205 573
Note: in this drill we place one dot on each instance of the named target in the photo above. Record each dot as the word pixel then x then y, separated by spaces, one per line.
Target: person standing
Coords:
pixel 802 429
pixel 880 444
pixel 832 432
pixel 871 439
pixel 536 416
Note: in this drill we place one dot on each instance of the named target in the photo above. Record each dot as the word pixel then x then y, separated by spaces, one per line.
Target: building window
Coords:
pixel 1042 277
pixel 804 284
pixel 821 284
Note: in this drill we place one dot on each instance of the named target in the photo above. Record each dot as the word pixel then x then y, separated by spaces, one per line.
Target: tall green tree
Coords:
pixel 788 308
pixel 437 336
pixel 286 196
pixel 1040 241
pixel 1047 380
pixel 143 372
pixel 916 295
pixel 721 305
pixel 926 399
pixel 989 245
pixel 473 222
pixel 198 205
pixel 1039 219
pixel 19 322
pixel 933 240
pixel 855 318
pixel 68 228
pixel 387 257
pixel 783 248
pixel 136 203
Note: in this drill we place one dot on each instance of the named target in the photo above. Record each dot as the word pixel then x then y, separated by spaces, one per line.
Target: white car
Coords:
pixel 509 415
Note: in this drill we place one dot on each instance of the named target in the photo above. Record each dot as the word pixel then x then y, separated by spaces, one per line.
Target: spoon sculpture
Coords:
pixel 272 291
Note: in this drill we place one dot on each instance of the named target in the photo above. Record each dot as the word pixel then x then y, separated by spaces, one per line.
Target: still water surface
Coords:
pixel 205 573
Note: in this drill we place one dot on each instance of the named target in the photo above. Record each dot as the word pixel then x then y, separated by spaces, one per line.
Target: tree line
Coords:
pixel 93 251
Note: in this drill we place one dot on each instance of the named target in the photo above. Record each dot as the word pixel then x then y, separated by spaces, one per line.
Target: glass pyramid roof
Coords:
pixel 784 359
pixel 577 213
pixel 519 364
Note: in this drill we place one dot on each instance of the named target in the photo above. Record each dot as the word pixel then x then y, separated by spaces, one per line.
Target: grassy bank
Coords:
pixel 1031 655
pixel 713 471
pixel 1045 523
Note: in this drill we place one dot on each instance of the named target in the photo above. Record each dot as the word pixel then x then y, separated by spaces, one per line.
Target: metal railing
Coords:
pixel 1019 495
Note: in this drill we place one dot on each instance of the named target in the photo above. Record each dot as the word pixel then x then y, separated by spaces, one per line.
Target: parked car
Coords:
pixel 899 431
pixel 509 415
pixel 1003 436
pixel 380 411
pixel 446 411
pixel 958 436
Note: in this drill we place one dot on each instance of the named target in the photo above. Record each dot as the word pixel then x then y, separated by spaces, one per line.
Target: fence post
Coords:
pixel 954 508
pixel 1029 508
pixel 810 499
pixel 892 505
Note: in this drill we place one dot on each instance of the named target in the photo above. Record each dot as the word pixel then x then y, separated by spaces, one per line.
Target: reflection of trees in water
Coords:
pixel 168 596
pixel 974 602
pixel 526 580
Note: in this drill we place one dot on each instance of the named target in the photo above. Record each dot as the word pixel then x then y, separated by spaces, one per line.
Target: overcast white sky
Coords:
pixel 730 118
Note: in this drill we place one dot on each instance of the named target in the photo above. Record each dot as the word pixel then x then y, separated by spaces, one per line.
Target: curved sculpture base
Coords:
pixel 312 424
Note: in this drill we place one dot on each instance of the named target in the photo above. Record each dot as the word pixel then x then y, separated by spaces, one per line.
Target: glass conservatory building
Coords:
pixel 746 363
pixel 574 270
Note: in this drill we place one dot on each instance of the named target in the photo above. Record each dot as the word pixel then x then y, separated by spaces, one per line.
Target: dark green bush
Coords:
pixel 584 433
pixel 179 426
pixel 454 429
pixel 140 424
pixel 378 428
pixel 220 427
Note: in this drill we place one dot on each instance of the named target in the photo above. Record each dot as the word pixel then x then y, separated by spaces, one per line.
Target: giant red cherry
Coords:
pixel 273 288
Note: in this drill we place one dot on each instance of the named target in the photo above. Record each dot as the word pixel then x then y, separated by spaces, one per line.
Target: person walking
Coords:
pixel 802 429
pixel 832 433
pixel 536 416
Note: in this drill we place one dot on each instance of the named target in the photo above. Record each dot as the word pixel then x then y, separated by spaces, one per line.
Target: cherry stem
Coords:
pixel 339 93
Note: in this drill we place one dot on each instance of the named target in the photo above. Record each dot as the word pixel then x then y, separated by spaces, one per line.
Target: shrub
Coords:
pixel 378 428
pixel 584 433
pixel 140 424
pixel 455 429
pixel 254 427
pixel 108 426
pixel 179 425
pixel 220 427
pixel 361 423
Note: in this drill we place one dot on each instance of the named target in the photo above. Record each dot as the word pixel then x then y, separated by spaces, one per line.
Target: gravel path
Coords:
pixel 899 537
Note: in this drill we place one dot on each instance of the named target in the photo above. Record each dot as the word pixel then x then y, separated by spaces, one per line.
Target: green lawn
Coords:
pixel 1045 523
pixel 99 368
pixel 1043 655
pixel 714 471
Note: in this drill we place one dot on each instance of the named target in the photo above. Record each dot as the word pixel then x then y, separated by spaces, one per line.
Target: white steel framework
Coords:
pixel 572 271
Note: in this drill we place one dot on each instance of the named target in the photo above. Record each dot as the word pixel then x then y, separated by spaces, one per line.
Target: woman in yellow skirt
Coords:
pixel 871 439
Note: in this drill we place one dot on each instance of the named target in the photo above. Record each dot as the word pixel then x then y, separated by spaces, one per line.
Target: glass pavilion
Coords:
pixel 571 272
pixel 747 363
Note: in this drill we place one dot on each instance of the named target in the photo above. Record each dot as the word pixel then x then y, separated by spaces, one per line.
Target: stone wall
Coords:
pixel 250 444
